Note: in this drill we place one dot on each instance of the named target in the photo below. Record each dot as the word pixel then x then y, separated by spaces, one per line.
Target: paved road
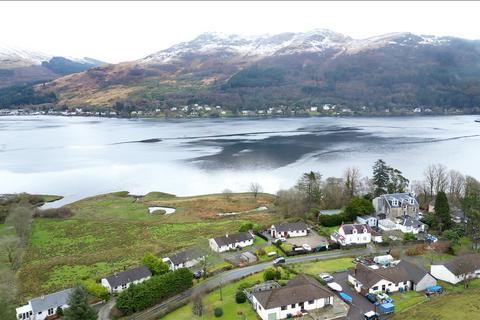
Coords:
pixel 239 273
pixel 104 311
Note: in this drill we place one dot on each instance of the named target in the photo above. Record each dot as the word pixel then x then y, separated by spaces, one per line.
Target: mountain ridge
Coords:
pixel 309 68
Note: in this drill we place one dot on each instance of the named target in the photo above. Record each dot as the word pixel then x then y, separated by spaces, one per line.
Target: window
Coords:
pixel 375 288
pixel 311 301
pixel 293 305
pixel 50 311
pixel 284 308
pixel 124 286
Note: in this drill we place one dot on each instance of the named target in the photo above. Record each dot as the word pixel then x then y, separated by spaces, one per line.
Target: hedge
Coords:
pixel 152 291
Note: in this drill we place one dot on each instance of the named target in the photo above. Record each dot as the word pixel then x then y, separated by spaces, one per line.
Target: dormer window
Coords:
pixel 394 202
pixel 411 201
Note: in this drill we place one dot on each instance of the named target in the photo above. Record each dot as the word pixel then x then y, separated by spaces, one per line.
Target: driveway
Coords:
pixel 104 311
pixel 313 239
pixel 359 304
pixel 236 274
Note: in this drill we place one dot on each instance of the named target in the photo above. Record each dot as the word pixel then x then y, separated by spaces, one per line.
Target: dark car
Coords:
pixel 198 274
pixel 371 297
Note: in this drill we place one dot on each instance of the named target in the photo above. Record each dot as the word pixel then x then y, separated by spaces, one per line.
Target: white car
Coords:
pixel 307 247
pixel 326 277
pixel 280 240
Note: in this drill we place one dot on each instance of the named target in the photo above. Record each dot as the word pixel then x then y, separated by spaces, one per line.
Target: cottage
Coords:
pixel 456 270
pixel 349 234
pixel 300 294
pixel 44 306
pixel 407 224
pixel 183 259
pixel 122 280
pixel 368 220
pixel 231 242
pixel 401 277
pixel 286 230
pixel 395 204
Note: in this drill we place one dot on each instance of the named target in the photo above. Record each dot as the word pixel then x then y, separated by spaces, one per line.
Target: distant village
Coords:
pixel 205 110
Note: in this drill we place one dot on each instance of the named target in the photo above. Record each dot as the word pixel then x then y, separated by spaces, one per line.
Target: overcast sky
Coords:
pixel 121 31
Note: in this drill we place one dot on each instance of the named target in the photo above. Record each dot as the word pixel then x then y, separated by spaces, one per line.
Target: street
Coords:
pixel 235 274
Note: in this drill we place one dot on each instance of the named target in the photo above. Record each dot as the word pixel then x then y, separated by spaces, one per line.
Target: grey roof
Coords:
pixel 53 300
pixel 408 221
pixel 233 238
pixel 466 263
pixel 128 276
pixel 296 226
pixel 400 197
pixel 302 288
pixel 402 272
pixel 184 256
pixel 361 228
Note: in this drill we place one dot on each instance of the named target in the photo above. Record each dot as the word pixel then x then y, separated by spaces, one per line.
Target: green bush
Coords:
pixel 408 236
pixel 95 289
pixel 246 226
pixel 218 312
pixel 240 297
pixel 271 274
pixel 150 292
pixel 332 220
pixel 156 265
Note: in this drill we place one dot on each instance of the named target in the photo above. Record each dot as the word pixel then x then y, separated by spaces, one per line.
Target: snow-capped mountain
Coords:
pixel 320 66
pixel 20 66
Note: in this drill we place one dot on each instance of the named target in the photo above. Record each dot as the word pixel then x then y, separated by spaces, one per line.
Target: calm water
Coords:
pixel 77 157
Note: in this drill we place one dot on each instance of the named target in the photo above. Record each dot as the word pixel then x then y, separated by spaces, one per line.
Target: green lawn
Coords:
pixel 314 268
pixel 109 232
pixel 258 241
pixel 50 198
pixel 455 303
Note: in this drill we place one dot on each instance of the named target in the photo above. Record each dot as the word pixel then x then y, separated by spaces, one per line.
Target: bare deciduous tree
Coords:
pixel 10 246
pixel 20 218
pixel 456 186
pixel 436 179
pixel 291 202
pixel 227 194
pixel 351 177
pixel 255 189
pixel 333 193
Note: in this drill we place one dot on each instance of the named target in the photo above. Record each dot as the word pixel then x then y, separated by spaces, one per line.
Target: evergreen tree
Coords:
pixel 78 307
pixel 442 211
pixel 309 186
pixel 397 182
pixel 156 265
pixel 380 177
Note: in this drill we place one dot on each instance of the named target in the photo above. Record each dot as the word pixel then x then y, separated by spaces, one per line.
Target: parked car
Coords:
pixel 307 247
pixel 280 240
pixel 371 297
pixel 371 315
pixel 278 261
pixel 433 289
pixel 326 277
pixel 345 297
pixel 384 298
pixel 198 274
pixel 387 308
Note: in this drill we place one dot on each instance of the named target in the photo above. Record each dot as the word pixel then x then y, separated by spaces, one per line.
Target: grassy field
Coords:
pixel 314 268
pixel 455 303
pixel 112 231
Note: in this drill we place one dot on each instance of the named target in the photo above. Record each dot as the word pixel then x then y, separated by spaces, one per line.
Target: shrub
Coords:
pixel 332 220
pixel 408 236
pixel 156 265
pixel 416 251
pixel 245 227
pixel 218 312
pixel 54 213
pixel 271 274
pixel 197 307
pixel 356 207
pixel 59 312
pixel 95 289
pixel 148 293
pixel 240 297
pixel 261 252
pixel 441 246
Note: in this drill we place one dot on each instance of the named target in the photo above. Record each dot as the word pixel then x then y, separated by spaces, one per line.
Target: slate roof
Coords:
pixel 233 238
pixel 348 228
pixel 296 226
pixel 184 256
pixel 402 272
pixel 128 276
pixel 400 197
pixel 302 288
pixel 469 262
pixel 53 300
pixel 408 221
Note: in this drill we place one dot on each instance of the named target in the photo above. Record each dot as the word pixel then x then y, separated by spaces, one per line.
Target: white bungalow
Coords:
pixel 287 230
pixel 41 307
pixel 122 280
pixel 231 242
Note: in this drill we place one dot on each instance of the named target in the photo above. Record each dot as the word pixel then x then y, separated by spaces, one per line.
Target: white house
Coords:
pixel 407 224
pixel 183 259
pixel 369 220
pixel 41 307
pixel 457 269
pixel 231 242
pixel 120 281
pixel 403 276
pixel 286 230
pixel 300 294
pixel 349 234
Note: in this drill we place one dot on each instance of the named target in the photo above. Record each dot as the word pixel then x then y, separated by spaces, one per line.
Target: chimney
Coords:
pixel 226 236
pixel 42 297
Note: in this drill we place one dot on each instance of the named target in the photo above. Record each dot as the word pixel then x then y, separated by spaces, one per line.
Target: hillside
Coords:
pixel 321 66
pixel 19 66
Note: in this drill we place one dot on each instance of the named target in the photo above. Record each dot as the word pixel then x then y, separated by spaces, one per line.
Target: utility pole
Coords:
pixel 221 295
